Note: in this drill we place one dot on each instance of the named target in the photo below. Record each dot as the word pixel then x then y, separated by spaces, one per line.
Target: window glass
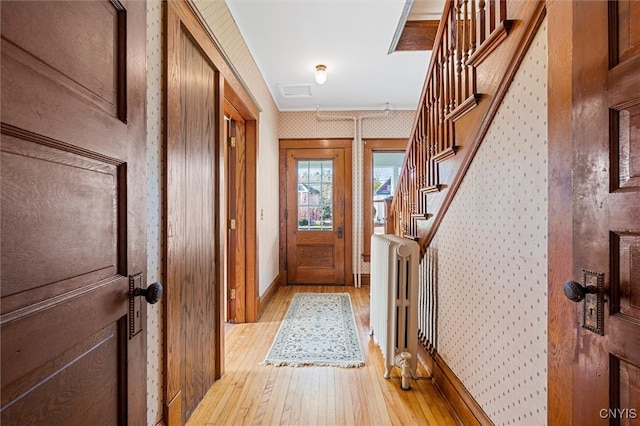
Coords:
pixel 386 170
pixel 315 195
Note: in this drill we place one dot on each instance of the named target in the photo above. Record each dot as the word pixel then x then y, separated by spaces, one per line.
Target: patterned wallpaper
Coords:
pixel 396 124
pixel 492 258
pixel 155 132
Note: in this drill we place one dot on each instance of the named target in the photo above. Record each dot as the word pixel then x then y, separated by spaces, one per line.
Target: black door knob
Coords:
pixel 152 294
pixel 576 292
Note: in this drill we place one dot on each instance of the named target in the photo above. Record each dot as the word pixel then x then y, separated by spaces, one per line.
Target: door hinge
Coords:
pixel 232 224
pixel 232 294
pixel 232 142
pixel 286 214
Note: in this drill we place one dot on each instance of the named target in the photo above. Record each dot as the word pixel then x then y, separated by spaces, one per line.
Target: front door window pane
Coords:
pixel 315 195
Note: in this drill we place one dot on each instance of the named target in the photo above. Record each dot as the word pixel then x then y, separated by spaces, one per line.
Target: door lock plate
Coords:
pixel 593 303
pixel 135 305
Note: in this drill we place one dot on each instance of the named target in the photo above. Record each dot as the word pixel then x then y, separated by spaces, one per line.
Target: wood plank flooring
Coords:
pixel 266 395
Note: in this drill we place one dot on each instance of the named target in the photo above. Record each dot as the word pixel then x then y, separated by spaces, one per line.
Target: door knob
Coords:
pixel 152 294
pixel 576 292
pixel 340 232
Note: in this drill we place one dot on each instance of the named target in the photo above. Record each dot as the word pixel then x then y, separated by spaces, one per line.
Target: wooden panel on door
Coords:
pixel 194 128
pixel 606 208
pixel 315 216
pixel 73 211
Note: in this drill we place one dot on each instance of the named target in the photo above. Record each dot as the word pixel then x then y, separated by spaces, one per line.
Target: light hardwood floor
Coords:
pixel 252 394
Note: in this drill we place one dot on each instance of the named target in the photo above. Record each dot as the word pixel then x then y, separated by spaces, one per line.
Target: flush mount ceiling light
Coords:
pixel 321 74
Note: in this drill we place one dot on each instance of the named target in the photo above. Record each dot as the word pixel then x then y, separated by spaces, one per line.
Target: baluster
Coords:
pixel 459 95
pixel 472 28
pixel 441 102
pixel 465 48
pixel 502 11
pixel 433 134
pixel 421 160
pixel 481 23
pixel 419 152
pixel 451 63
pixel 452 76
pixel 445 93
pixel 492 16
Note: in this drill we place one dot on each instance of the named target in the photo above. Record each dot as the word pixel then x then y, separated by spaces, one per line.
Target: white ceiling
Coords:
pixel 288 38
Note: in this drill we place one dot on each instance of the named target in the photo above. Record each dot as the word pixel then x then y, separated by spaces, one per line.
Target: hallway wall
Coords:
pixel 492 258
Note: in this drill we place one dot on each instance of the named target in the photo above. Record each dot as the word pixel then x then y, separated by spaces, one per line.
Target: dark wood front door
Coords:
pixel 315 216
pixel 73 212
pixel 606 211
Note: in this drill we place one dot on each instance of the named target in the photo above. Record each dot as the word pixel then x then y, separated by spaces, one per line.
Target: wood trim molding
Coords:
pixel 418 35
pixel 453 391
pixel 271 291
pixel 365 279
pixel 252 304
pixel 447 153
pixel 491 43
pixel 371 146
pixel 467 105
pixel 561 342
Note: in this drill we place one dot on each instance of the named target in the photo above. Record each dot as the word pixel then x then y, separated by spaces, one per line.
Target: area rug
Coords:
pixel 319 329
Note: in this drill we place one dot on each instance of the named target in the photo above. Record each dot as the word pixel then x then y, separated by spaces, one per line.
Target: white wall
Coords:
pixel 492 258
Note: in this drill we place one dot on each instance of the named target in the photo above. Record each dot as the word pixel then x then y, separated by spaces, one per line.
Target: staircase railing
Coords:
pixel 468 32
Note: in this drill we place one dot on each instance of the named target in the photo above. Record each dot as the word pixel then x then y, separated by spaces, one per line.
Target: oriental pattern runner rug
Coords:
pixel 319 329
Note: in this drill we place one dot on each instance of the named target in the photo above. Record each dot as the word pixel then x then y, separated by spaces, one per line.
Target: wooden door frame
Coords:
pixel 561 341
pixel 346 144
pixel 183 14
pixel 247 208
pixel 371 146
pixel 244 246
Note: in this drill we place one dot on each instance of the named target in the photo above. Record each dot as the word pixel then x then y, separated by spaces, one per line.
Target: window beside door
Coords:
pixel 383 160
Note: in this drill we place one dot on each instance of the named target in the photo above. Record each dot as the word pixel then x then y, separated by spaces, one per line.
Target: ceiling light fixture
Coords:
pixel 321 74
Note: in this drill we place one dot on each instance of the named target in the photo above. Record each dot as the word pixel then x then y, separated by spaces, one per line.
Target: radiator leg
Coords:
pixel 402 361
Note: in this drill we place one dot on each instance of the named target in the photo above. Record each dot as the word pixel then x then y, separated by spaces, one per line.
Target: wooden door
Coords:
pixel 236 233
pixel 195 122
pixel 73 212
pixel 315 216
pixel 606 211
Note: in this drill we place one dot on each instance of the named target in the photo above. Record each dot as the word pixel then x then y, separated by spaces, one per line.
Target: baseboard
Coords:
pixel 268 295
pixel 453 391
pixel 365 279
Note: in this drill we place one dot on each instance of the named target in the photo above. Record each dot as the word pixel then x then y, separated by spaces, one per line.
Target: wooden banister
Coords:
pixel 470 32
